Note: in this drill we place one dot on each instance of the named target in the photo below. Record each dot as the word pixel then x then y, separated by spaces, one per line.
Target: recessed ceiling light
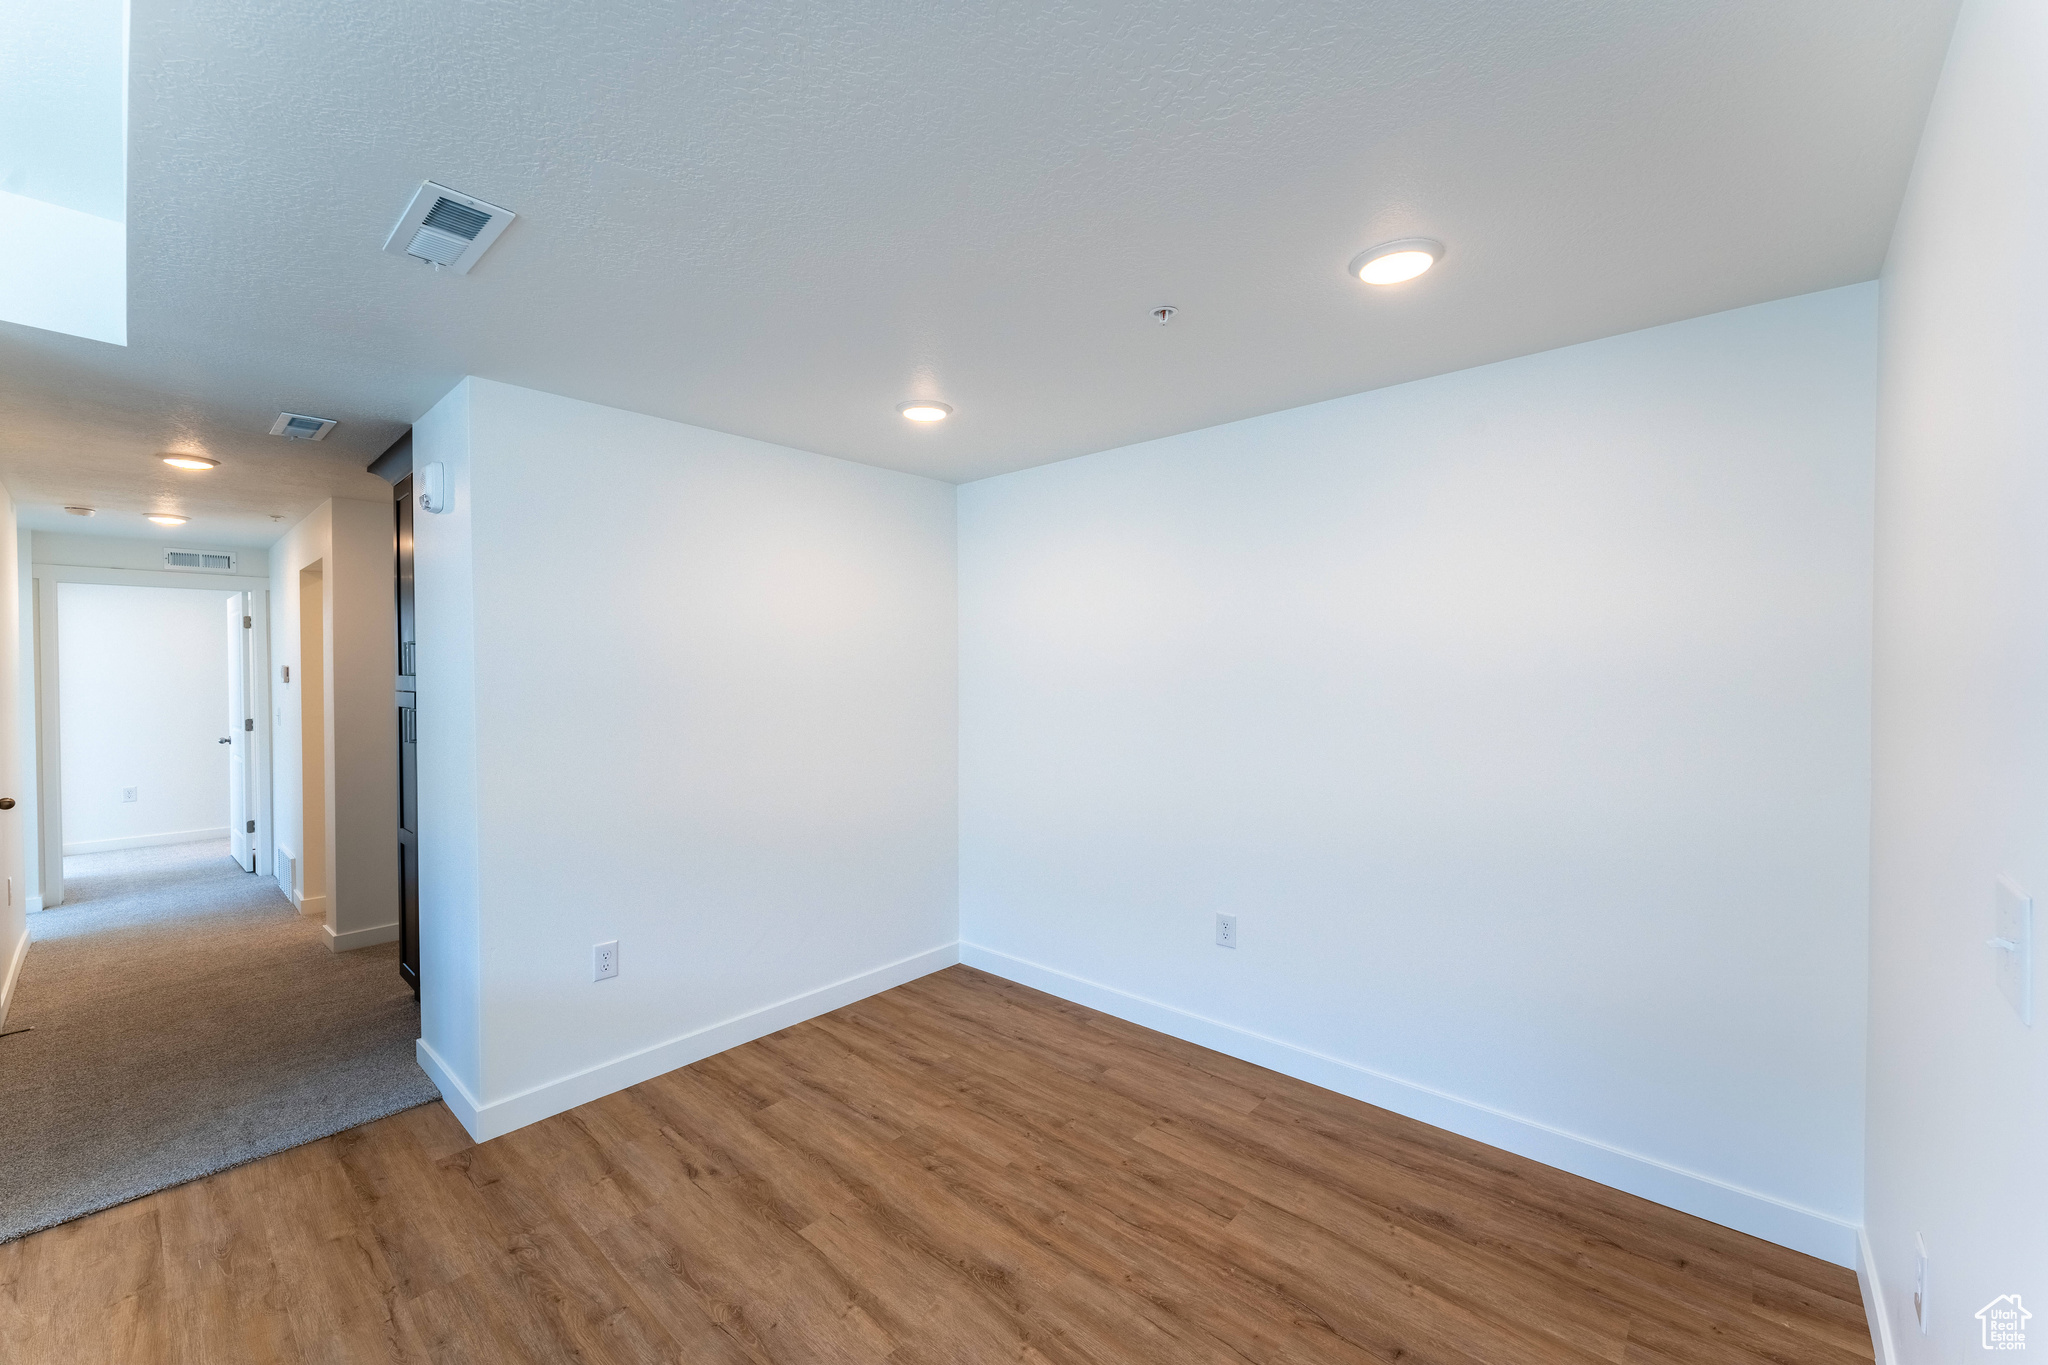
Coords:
pixel 924 410
pixel 166 518
pixel 1394 262
pixel 78 511
pixel 181 461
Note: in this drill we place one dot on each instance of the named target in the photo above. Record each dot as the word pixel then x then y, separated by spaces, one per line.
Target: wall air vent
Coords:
pixel 447 230
pixel 296 426
pixel 200 561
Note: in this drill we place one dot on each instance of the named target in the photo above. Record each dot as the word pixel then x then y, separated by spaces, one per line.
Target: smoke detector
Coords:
pixel 445 229
pixel 296 426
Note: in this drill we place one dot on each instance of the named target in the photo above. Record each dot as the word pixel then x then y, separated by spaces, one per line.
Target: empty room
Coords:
pixel 1063 683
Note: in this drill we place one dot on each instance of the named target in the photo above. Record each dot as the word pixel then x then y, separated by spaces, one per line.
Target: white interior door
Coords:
pixel 241 734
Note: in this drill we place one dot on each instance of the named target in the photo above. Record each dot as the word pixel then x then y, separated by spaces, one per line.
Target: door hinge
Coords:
pixel 252 827
pixel 248 622
pixel 248 724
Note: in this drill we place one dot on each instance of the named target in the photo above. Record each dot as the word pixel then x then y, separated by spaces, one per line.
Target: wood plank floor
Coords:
pixel 960 1170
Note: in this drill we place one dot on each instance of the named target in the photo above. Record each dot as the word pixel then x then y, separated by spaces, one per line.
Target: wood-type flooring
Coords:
pixel 960 1171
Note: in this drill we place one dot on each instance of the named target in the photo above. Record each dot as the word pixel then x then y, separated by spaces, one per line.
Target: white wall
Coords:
pixel 1958 1086
pixel 27 784
pixel 1520 714
pixel 14 900
pixel 708 685
pixel 140 553
pixel 143 682
pixel 354 543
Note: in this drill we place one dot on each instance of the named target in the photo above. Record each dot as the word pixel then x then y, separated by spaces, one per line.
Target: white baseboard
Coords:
pixel 1873 1300
pixel 314 907
pixel 34 903
pixel 10 972
pixel 1759 1215
pixel 182 836
pixel 498 1117
pixel 360 938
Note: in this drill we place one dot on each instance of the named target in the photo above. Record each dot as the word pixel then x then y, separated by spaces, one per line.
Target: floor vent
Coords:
pixel 205 561
pixel 445 229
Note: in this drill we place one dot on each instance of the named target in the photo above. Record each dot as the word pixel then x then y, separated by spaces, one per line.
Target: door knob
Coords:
pixel 6 803
pixel 227 741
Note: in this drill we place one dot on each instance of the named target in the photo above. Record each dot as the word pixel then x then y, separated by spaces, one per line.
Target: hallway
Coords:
pixel 182 1018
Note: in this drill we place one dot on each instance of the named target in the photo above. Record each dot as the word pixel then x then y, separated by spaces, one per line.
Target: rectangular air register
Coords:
pixel 201 561
pixel 297 426
pixel 446 229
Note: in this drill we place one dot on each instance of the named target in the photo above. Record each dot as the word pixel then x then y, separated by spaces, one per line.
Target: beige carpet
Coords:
pixel 184 1018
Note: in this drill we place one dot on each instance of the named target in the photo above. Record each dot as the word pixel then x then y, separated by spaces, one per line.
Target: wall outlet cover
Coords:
pixel 131 793
pixel 1226 931
pixel 605 961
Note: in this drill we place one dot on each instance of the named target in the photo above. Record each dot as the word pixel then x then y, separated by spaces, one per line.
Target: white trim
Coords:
pixel 35 904
pixel 454 1093
pixel 308 905
pixel 360 938
pixel 1873 1300
pixel 498 1117
pixel 223 583
pixel 12 972
pixel 182 836
pixel 1703 1196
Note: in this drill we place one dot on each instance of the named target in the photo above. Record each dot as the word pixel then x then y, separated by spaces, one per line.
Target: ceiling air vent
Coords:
pixel 296 426
pixel 447 230
pixel 206 561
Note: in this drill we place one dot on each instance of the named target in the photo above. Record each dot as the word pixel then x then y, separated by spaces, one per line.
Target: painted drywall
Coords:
pixel 14 899
pixel 143 683
pixel 1958 1122
pixel 444 620
pixel 27 784
pixel 1520 715
pixel 353 545
pixel 136 552
pixel 681 689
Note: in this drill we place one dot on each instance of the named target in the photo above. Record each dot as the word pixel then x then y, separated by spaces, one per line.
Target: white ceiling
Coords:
pixel 781 219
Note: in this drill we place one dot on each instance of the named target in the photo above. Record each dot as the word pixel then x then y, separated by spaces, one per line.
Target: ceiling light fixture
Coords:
pixel 1396 262
pixel 179 461
pixel 924 410
pixel 166 518
pixel 77 511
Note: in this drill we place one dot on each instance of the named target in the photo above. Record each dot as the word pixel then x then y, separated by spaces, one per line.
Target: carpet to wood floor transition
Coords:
pixel 959 1171
pixel 182 1017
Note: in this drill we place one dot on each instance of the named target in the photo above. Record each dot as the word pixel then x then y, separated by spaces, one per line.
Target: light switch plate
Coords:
pixel 2012 946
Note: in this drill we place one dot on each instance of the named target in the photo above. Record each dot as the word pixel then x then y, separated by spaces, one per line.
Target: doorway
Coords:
pixel 153 737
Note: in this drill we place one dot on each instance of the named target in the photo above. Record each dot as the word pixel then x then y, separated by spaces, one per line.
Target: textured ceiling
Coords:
pixel 781 219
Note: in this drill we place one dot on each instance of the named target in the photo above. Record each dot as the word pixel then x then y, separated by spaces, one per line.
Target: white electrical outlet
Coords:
pixel 605 961
pixel 1920 1282
pixel 1226 931
pixel 130 793
pixel 2012 943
